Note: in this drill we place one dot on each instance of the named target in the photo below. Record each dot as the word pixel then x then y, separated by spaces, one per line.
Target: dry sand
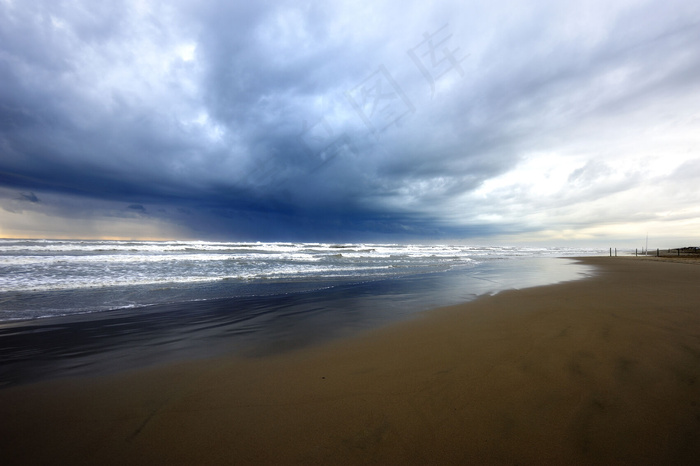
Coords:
pixel 599 371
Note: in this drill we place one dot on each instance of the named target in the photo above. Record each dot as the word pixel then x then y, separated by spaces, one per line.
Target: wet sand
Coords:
pixel 604 370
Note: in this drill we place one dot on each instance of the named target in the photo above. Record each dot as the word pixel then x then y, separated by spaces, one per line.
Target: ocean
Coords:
pixel 87 307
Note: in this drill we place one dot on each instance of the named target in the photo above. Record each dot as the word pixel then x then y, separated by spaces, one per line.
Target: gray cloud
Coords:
pixel 274 120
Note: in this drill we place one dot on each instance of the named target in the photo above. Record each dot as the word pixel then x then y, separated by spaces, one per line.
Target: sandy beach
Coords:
pixel 604 370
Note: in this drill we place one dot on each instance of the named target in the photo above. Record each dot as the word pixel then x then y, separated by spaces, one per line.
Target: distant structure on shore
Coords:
pixel 692 251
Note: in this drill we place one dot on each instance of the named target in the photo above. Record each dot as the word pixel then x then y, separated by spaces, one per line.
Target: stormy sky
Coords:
pixel 497 121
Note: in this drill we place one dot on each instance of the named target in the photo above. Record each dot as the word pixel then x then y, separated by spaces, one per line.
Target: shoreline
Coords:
pixel 112 341
pixel 605 369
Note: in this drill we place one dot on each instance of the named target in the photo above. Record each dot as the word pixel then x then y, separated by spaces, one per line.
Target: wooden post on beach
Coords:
pixel 615 252
pixel 635 252
pixel 657 252
pixel 610 252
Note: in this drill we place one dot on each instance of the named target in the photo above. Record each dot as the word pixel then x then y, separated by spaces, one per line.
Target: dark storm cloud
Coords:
pixel 29 197
pixel 278 120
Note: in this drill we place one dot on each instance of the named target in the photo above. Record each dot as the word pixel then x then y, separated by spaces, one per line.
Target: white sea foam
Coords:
pixel 59 277
pixel 44 265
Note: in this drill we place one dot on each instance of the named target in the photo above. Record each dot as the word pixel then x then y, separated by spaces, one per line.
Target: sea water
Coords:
pixel 75 307
pixel 46 278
